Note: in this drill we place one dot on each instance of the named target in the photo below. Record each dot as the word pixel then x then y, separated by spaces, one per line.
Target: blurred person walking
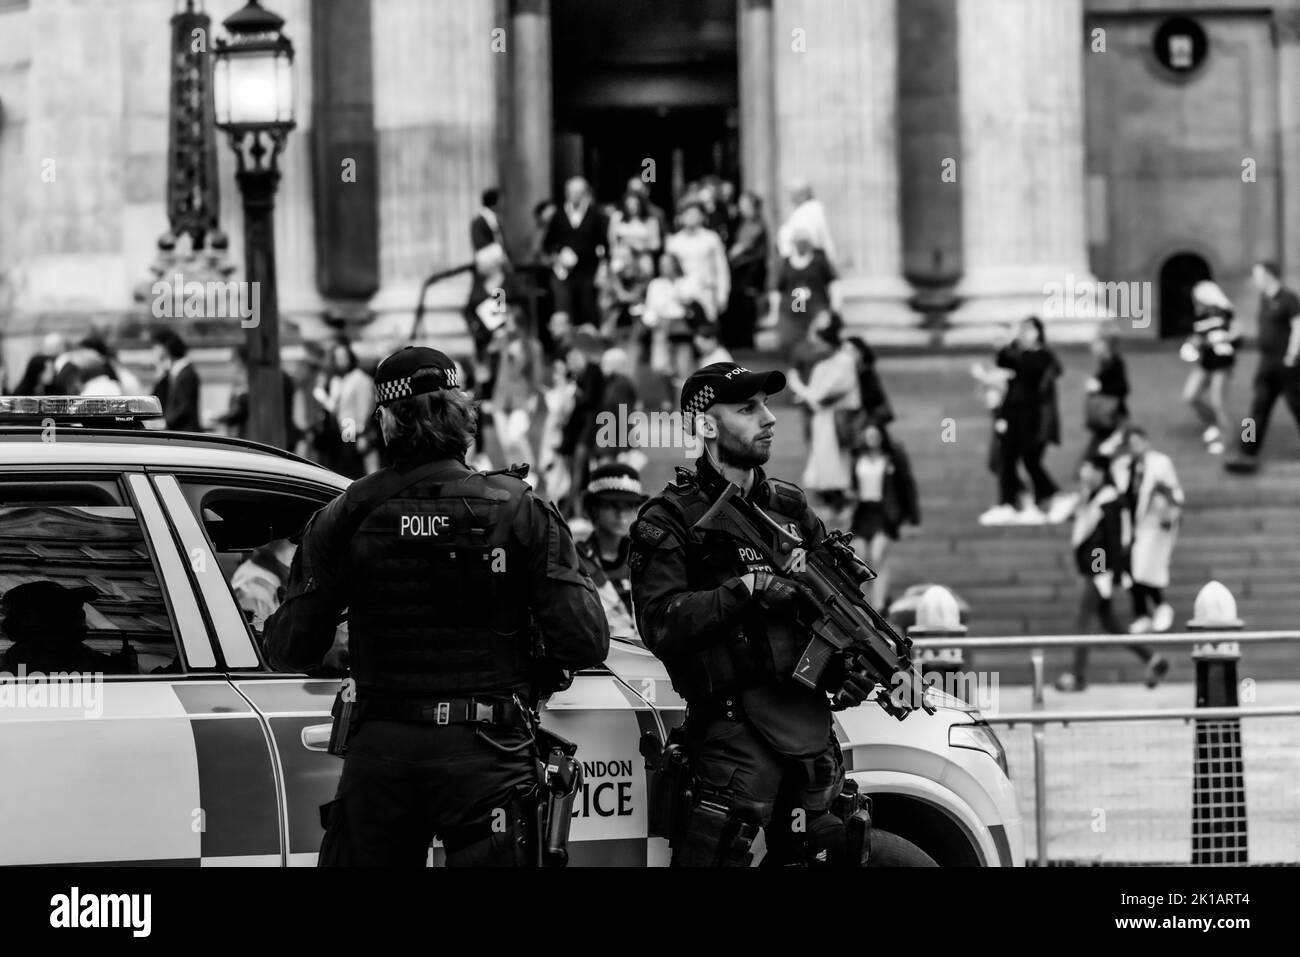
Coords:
pixel 806 284
pixel 871 389
pixel 177 387
pixel 348 397
pixel 491 277
pixel 1028 422
pixel 672 314
pixel 113 378
pixel 807 218
pixel 632 228
pixel 1100 541
pixel 235 419
pixel 709 350
pixel 702 257
pixel 575 241
pixel 886 499
pixel 1148 485
pixel 1278 373
pixel 578 437
pixel 636 184
pixel 623 299
pixel 38 377
pixel 618 400
pixel 559 397
pixel 518 369
pixel 748 260
pixel 832 394
pixel 1212 348
pixel 1106 410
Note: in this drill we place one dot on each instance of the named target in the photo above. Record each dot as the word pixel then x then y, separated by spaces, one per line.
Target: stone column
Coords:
pixel 757 102
pixel 929 130
pixel 1288 107
pixel 71 236
pixel 1022 164
pixel 435 115
pixel 528 165
pixel 836 79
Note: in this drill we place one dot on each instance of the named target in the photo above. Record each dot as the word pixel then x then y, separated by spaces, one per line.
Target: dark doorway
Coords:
pixel 667 148
pixel 645 80
pixel 1178 275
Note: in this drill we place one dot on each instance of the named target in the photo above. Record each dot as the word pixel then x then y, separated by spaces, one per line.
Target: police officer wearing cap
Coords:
pixel 611 499
pixel 760 745
pixel 465 599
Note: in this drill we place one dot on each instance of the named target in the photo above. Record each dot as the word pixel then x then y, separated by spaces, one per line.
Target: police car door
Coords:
pixel 221 519
pixel 122 749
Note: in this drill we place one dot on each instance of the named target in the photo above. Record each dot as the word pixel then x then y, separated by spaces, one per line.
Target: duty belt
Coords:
pixel 447 711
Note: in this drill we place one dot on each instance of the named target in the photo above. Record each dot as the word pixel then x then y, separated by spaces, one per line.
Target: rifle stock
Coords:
pixel 846 622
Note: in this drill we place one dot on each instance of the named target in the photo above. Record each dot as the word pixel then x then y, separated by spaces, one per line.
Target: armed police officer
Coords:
pixel 760 745
pixel 464 598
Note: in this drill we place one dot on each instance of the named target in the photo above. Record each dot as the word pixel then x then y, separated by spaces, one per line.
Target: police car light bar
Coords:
pixel 66 407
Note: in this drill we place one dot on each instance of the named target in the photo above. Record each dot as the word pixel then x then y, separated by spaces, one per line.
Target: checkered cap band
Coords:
pixel 615 483
pixel 431 379
pixel 700 401
pixel 386 392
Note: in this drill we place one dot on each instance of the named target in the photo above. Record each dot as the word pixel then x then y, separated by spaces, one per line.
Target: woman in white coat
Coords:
pixel 1148 483
pixel 831 392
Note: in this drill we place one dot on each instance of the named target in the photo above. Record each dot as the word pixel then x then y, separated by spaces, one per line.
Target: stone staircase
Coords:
pixel 1019 580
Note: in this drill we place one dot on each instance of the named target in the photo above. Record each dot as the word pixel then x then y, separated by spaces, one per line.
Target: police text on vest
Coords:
pixel 423 526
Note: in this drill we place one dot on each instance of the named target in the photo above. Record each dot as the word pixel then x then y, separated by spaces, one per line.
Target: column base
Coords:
pixel 878 309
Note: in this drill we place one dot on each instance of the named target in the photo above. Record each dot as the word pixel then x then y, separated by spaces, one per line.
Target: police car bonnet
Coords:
pixel 414 370
pixel 726 382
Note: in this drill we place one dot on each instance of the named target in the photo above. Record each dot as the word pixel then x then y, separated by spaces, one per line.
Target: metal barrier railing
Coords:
pixel 1198 785
pixel 1037 644
pixel 1207 785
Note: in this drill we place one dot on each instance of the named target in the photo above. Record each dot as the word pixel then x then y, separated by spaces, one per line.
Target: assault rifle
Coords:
pixel 845 622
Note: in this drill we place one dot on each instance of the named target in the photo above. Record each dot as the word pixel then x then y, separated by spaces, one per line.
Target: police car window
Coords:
pixel 253 529
pixel 78 588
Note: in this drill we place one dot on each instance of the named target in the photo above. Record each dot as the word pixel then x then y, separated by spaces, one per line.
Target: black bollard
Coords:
pixel 1219 773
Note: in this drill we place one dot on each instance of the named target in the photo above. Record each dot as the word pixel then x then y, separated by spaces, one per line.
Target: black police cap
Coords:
pixel 726 382
pixel 414 370
pixel 615 482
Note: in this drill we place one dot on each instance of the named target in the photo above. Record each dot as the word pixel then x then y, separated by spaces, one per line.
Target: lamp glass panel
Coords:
pixel 253 88
pixel 286 93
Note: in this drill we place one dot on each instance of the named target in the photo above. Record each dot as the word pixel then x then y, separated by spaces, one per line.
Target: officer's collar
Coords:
pixel 713 483
pixel 408 463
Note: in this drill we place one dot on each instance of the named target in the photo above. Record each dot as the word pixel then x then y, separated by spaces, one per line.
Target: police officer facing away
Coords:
pixel 760 745
pixel 463 592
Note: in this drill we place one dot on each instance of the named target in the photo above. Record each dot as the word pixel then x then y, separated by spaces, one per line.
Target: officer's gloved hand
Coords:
pixel 774 593
pixel 855 689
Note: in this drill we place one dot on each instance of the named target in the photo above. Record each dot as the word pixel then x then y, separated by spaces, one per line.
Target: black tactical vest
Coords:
pixel 759 650
pixel 439 602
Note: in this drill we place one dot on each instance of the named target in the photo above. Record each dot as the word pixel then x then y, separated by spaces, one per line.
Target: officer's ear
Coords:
pixel 706 426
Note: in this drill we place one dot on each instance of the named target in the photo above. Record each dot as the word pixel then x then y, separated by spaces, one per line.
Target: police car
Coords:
pixel 161 736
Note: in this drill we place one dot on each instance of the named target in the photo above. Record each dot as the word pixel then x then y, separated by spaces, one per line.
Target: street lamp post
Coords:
pixel 253 97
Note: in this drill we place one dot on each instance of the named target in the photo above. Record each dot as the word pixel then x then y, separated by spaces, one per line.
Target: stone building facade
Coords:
pixel 981 153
